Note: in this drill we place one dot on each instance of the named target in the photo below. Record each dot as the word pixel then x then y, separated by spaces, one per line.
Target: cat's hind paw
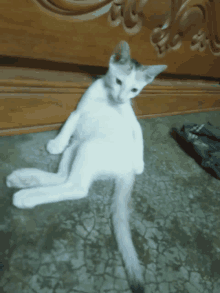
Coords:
pixel 23 200
pixel 21 178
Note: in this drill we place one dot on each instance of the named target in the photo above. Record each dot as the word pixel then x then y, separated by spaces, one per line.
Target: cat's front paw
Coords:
pixel 54 147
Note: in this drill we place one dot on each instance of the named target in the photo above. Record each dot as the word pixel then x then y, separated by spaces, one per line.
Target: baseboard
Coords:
pixel 35 100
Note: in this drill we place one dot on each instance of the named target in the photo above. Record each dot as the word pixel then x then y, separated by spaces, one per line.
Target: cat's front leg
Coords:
pixel 57 145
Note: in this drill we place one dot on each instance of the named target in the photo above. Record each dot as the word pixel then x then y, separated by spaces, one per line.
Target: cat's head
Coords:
pixel 126 77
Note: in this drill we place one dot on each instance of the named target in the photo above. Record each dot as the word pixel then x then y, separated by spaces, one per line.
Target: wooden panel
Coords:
pixel 166 102
pixel 34 100
pixel 69 31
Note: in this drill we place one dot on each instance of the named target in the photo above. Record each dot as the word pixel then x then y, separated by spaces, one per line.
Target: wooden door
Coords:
pixel 183 34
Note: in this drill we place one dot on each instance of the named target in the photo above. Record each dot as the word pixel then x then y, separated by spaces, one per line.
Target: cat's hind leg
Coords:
pixel 75 187
pixel 32 177
pixel 29 198
pixel 90 162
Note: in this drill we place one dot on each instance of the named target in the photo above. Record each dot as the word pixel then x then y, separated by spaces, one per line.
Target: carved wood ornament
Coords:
pixel 76 9
pixel 171 34
pixel 128 13
pixel 184 15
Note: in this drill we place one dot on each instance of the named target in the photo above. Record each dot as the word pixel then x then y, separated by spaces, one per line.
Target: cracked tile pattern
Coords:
pixel 69 246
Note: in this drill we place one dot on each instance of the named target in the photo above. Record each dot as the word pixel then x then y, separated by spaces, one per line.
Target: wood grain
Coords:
pixel 29 30
pixel 34 100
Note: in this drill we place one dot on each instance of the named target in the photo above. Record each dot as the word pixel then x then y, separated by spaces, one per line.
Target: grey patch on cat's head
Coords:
pixel 122 62
pixel 136 64
pixel 125 67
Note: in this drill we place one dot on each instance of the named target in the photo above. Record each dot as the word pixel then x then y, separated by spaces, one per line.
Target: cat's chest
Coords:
pixel 104 121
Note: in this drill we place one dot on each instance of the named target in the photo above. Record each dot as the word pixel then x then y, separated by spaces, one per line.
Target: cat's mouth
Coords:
pixel 120 101
pixel 116 100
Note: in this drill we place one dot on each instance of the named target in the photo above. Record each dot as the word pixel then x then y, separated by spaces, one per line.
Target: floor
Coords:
pixel 69 246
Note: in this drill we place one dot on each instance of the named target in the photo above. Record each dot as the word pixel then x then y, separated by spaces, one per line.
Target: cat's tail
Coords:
pixel 123 190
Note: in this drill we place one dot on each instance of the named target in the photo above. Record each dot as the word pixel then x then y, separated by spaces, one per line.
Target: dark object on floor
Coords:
pixel 202 142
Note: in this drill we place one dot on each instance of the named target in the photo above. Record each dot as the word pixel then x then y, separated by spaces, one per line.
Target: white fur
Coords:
pixel 107 143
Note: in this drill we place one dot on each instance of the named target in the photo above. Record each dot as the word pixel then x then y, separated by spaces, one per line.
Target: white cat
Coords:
pixel 109 144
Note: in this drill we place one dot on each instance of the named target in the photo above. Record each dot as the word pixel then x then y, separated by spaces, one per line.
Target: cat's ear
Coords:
pixel 154 70
pixel 121 53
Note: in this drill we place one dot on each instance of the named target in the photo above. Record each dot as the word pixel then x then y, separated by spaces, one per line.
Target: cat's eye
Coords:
pixel 134 90
pixel 118 81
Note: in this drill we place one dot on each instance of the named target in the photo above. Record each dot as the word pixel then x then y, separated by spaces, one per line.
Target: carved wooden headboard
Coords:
pixel 184 34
